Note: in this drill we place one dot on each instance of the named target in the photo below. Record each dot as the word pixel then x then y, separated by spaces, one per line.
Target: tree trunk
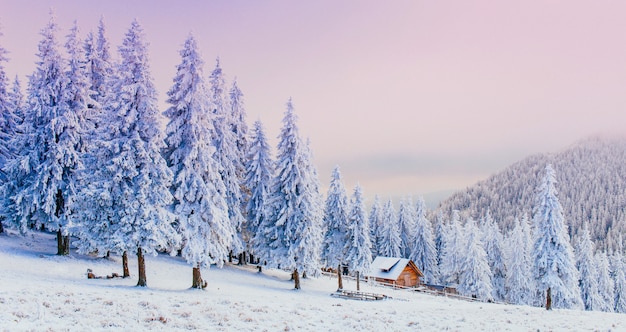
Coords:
pixel 197 278
pixel 549 299
pixel 339 279
pixel 358 280
pixel 141 264
pixel 63 244
pixel 251 258
pixel 304 275
pixel 1 228
pixel 296 279
pixel 230 256
pixel 125 264
pixel 241 258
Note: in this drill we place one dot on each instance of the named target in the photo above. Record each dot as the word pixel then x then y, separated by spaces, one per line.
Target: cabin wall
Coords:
pixel 408 277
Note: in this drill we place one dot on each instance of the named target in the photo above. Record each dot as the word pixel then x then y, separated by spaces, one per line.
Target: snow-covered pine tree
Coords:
pixel 375 220
pixel 452 244
pixel 8 119
pixel 406 225
pixel 100 70
pixel 475 276
pixel 389 232
pixel 554 267
pixel 618 271
pixel 335 222
pixel 291 214
pixel 200 210
pixel 606 286
pixel 127 199
pixel 588 274
pixel 16 104
pixel 424 254
pixel 43 176
pixel 227 154
pixel 358 252
pixel 259 174
pixel 439 228
pixel 492 240
pixel 518 282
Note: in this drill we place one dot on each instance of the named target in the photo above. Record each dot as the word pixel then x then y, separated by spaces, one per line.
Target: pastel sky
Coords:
pixel 407 97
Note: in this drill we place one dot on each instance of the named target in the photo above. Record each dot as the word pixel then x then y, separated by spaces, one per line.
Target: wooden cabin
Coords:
pixel 395 272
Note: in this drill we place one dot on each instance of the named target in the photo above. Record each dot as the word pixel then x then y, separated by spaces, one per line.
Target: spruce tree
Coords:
pixel 606 285
pixel 618 271
pixel 389 232
pixel 225 142
pixel 358 253
pixel 375 220
pixel 335 222
pixel 475 275
pixel 406 225
pixel 554 267
pixel 126 203
pixel 294 218
pixel 588 273
pixel 259 174
pixel 200 210
pixel 519 281
pixel 492 240
pixel 452 244
pixel 424 253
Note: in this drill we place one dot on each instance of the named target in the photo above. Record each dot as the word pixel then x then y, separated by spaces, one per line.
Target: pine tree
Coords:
pixel 335 222
pixel 294 218
pixel 518 282
pixel 424 253
pixel 16 105
pixel 588 274
pixel 259 174
pixel 225 142
pixel 452 244
pixel 375 221
pixel 358 253
pixel 618 271
pixel 100 71
pixel 475 276
pixel 201 211
pixel 8 119
pixel 606 285
pixel 43 175
pixel 125 204
pixel 553 265
pixel 492 240
pixel 389 232
pixel 406 225
pixel 440 228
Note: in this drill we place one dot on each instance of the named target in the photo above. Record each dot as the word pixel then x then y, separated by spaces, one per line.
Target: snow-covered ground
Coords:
pixel 40 291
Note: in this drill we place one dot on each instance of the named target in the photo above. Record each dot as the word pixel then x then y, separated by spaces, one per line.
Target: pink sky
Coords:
pixel 407 97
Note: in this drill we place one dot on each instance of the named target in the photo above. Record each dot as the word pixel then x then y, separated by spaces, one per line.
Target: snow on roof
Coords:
pixel 387 267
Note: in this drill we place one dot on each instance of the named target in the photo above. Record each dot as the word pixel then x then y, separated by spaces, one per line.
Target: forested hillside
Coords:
pixel 591 184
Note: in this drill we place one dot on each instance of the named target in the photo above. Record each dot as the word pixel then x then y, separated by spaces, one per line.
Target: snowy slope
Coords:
pixel 40 291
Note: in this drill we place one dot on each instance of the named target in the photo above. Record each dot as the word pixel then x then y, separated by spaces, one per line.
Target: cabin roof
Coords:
pixel 388 267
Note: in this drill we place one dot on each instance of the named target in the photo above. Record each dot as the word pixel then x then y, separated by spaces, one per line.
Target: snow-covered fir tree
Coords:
pixel 239 126
pixel 358 253
pixel 554 266
pixel 16 104
pixel 606 286
pixel 8 120
pixel 492 240
pixel 450 255
pixel 259 174
pixel 100 70
pixel 519 282
pixel 127 199
pixel 389 232
pixel 43 176
pixel 424 253
pixel 587 270
pixel 439 229
pixel 227 153
pixel 475 275
pixel 200 210
pixel 375 220
pixel 335 222
pixel 406 225
pixel 293 218
pixel 618 272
